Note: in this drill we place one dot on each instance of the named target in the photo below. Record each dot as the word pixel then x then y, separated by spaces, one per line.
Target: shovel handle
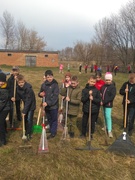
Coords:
pixel 39 113
pixel 125 117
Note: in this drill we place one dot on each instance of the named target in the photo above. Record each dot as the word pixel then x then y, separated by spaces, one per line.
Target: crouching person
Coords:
pixel 26 93
pixel 4 107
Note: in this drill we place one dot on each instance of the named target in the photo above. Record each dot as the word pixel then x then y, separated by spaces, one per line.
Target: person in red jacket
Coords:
pixel 98 85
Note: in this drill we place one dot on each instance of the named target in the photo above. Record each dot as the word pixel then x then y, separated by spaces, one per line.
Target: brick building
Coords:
pixel 29 58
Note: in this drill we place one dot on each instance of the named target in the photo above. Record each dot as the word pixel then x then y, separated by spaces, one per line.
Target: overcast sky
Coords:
pixel 61 22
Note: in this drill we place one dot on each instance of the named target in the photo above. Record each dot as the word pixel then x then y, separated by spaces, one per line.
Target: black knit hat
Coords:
pixel 48 72
pixel 2 77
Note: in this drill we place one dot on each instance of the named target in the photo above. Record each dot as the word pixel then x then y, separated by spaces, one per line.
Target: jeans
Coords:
pixel 52 117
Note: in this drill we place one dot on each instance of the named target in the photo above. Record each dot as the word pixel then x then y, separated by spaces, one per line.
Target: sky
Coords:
pixel 62 23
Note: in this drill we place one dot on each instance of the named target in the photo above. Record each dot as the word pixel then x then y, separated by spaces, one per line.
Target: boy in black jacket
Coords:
pixel 90 92
pixel 26 93
pixel 130 101
pixel 50 90
pixel 11 85
pixel 4 107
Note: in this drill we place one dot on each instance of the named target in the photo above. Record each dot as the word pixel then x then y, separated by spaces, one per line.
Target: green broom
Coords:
pixel 38 128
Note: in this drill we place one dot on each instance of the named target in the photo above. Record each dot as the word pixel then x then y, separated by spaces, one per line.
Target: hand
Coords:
pixel 90 92
pixel 42 94
pixel 128 102
pixel 44 104
pixel 13 99
pixel 101 103
pixel 91 97
pixel 23 114
pixel 126 90
pixel 67 98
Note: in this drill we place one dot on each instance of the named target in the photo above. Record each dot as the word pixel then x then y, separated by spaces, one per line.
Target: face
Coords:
pixel 74 84
pixel 92 82
pixel 21 83
pixel 49 78
pixel 15 72
pixel 1 83
pixel 108 81
pixel 132 79
pixel 67 78
pixel 98 78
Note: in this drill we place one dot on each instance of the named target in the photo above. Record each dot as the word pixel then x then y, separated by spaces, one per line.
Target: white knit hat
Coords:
pixel 108 75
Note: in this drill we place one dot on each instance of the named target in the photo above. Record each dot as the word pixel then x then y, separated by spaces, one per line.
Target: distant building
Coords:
pixel 29 58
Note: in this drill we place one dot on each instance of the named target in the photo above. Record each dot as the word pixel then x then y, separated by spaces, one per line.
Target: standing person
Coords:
pixel 90 92
pixel 115 70
pixel 108 92
pixel 80 69
pixel 68 67
pixel 4 107
pixel 50 90
pixel 85 68
pixel 61 68
pixel 26 93
pixel 74 100
pixel 130 102
pixel 12 85
pixel 99 83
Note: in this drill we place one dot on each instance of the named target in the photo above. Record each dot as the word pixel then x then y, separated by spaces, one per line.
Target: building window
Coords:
pixel 9 54
pixel 46 55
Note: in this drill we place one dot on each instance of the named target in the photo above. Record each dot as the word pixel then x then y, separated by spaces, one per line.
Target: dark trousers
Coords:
pixel 29 122
pixel 3 115
pixel 85 122
pixel 130 117
pixel 52 117
pixel 18 111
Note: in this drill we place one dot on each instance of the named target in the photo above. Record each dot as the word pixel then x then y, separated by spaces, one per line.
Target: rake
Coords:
pixel 88 144
pixel 123 145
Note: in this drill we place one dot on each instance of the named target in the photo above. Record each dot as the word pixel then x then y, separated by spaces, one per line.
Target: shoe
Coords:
pixel 82 136
pixel 110 134
pixel 71 134
pixel 51 136
pixel 29 137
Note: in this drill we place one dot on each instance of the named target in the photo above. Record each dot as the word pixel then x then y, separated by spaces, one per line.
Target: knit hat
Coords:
pixel 2 77
pixel 68 74
pixel 108 75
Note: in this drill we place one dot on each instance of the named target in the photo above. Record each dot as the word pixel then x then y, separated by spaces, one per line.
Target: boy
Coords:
pixel 50 90
pixel 26 93
pixel 90 92
pixel 130 101
pixel 4 108
pixel 108 92
pixel 74 100
pixel 11 85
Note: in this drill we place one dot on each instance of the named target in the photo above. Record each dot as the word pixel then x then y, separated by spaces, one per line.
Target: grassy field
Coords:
pixel 63 162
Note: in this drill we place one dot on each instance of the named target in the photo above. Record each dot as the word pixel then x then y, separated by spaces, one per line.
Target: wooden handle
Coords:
pixel 125 117
pixel 39 113
pixel 14 87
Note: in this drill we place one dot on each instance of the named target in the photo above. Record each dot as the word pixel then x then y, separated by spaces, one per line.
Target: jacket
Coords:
pixel 86 101
pixel 51 90
pixel 108 93
pixel 4 98
pixel 27 95
pixel 75 99
pixel 131 94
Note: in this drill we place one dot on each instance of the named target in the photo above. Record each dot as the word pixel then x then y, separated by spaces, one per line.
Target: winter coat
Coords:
pixel 99 84
pixel 27 95
pixel 75 99
pixel 51 90
pixel 86 101
pixel 108 93
pixel 4 98
pixel 11 87
pixel 131 94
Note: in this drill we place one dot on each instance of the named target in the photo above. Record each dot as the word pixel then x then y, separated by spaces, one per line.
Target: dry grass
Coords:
pixel 63 161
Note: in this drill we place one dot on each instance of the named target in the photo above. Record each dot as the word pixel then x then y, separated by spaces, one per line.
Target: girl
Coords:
pixel 108 92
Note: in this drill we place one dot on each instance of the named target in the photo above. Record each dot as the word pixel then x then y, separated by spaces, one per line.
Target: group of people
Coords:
pixel 97 93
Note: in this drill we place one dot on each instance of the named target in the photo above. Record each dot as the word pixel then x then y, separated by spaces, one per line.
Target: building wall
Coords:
pixel 43 59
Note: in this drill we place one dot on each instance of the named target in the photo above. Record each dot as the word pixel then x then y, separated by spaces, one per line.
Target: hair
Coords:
pixel 74 78
pixel 48 72
pixel 98 73
pixel 20 77
pixel 92 77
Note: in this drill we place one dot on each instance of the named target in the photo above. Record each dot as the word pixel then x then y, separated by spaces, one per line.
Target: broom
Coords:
pixel 37 128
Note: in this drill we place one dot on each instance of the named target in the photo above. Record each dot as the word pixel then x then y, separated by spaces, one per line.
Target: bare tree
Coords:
pixel 7 27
